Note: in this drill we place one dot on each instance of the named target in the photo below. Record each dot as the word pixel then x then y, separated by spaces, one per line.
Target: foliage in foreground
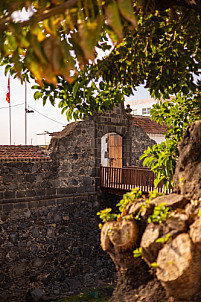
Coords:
pixel 177 114
pixel 159 215
pixel 56 46
pixel 159 53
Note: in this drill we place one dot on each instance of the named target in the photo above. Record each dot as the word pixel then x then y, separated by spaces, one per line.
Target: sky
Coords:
pixel 45 118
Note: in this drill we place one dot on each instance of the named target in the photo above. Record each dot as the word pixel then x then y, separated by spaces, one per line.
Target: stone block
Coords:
pixel 7 207
pixel 47 202
pixel 87 181
pixel 65 200
pixel 30 193
pixel 30 178
pixel 51 191
pixel 71 190
pixel 33 204
pixel 93 173
pixel 37 294
pixel 9 194
pixel 93 145
pixel 1 195
pixel 20 194
pixel 19 269
pixel 13 238
pixel 113 120
pixel 40 192
pixel 74 182
pixel 97 182
pixel 81 189
pixel 20 205
pixel 74 284
pixel 61 191
pixel 75 156
pixel 38 262
pixel 90 189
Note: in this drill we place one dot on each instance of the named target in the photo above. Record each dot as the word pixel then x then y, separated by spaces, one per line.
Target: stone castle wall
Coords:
pixel 27 180
pixel 78 148
pixel 51 249
pixel 49 243
pixel 75 159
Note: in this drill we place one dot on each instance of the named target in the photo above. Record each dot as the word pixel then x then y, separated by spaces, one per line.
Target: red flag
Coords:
pixel 8 92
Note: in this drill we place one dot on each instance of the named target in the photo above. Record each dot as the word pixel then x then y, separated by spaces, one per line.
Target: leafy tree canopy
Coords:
pixel 151 42
pixel 58 34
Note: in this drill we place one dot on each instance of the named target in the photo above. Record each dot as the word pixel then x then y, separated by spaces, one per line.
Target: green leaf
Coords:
pixel 75 88
pixel 126 9
pixel 164 239
pixel 148 161
pixel 154 264
pixel 137 252
pixel 38 95
pixel 7 68
pixel 101 85
pixel 67 48
pixel 106 215
pixel 113 18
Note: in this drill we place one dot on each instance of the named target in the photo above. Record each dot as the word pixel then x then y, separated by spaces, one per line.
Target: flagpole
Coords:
pixel 8 100
pixel 25 104
pixel 10 121
pixel 9 111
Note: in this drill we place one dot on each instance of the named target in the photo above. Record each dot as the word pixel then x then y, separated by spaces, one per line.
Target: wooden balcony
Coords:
pixel 121 180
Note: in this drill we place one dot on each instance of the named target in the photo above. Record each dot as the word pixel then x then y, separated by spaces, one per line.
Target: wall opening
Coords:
pixel 111 150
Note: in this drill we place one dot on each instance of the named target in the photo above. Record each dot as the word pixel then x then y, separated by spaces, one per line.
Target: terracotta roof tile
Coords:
pixel 23 153
pixel 148 125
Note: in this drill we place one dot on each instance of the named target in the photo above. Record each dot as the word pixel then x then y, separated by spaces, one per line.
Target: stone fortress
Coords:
pixel 50 241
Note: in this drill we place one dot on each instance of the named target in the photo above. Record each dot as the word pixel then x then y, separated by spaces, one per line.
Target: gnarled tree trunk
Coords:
pixel 177 272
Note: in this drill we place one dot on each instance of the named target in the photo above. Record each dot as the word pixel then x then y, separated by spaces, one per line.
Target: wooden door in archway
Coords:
pixel 115 150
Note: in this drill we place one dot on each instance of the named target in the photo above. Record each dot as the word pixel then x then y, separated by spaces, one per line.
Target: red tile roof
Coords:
pixel 23 154
pixel 148 125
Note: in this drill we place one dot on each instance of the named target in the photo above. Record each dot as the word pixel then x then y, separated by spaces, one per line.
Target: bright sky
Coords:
pixel 45 118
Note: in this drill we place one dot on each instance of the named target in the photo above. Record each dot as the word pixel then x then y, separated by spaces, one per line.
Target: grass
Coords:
pixel 102 294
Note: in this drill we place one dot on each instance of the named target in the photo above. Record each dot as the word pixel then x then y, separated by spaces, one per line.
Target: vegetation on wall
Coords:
pixel 177 113
pixel 129 198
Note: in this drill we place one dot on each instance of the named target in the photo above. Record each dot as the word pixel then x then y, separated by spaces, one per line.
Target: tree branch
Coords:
pixel 192 4
pixel 47 14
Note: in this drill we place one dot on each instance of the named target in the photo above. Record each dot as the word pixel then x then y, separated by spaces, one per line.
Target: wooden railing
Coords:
pixel 125 179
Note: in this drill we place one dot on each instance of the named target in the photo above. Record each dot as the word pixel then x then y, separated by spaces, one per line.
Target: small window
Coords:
pixel 146 111
pixel 134 112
